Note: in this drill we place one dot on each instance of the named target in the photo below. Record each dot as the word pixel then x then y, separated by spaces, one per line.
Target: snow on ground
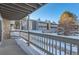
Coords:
pixel 55 34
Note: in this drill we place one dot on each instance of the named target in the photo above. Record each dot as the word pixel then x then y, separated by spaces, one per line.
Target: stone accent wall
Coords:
pixel 6 28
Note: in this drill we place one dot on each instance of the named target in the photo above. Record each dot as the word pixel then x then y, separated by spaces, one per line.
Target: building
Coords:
pixel 54 27
pixel 44 25
pixel 39 25
pixel 31 24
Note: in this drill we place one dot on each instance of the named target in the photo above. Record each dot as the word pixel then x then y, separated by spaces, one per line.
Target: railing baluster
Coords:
pixel 44 44
pixel 49 45
pixel 70 49
pixel 65 48
pixel 39 41
pixel 55 47
pixel 36 39
pixel 60 48
pixel 78 50
pixel 52 46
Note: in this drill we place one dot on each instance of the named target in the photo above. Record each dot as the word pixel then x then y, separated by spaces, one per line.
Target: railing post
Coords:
pixel 28 38
pixel 28 31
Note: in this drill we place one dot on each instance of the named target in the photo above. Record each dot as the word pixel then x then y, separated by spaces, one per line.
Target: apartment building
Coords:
pixel 39 25
pixel 31 24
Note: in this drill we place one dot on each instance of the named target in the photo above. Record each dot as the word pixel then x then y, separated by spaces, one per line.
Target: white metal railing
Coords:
pixel 51 43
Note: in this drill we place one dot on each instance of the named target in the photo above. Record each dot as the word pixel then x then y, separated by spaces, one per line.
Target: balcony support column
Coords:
pixel 6 28
pixel 28 31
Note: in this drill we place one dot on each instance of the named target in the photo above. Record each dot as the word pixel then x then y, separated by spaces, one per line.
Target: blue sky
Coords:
pixel 53 11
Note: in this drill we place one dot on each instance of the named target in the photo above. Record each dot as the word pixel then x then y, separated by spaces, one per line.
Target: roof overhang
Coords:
pixel 16 11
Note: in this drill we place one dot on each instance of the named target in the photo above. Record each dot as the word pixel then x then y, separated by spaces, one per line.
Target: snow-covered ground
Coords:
pixel 55 34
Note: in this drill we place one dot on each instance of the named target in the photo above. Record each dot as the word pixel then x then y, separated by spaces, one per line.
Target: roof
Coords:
pixel 16 11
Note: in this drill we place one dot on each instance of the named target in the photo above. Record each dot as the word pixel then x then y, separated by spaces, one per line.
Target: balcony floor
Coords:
pixel 9 47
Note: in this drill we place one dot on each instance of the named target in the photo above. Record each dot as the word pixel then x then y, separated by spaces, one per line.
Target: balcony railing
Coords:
pixel 51 43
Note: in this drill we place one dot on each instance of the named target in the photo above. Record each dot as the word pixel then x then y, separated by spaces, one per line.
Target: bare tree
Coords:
pixel 67 21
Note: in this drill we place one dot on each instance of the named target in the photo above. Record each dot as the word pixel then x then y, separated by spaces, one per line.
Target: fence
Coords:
pixel 50 43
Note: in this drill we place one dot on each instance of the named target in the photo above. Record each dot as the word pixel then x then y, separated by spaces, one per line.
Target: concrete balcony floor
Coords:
pixel 10 47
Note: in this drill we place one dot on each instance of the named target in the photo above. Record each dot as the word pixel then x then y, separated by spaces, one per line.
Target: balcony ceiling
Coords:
pixel 16 11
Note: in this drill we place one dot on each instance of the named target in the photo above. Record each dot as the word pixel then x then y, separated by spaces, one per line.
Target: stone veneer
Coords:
pixel 6 28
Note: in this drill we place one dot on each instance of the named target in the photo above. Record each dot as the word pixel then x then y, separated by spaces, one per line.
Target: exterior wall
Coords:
pixel 6 28
pixel 1 28
pixel 54 27
pixel 34 24
pixel 47 26
pixel 42 26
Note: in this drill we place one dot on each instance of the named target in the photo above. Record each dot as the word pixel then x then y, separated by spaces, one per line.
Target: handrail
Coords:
pixel 26 31
pixel 46 38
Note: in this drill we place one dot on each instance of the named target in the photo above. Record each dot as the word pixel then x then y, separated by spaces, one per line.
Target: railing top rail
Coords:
pixel 71 37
